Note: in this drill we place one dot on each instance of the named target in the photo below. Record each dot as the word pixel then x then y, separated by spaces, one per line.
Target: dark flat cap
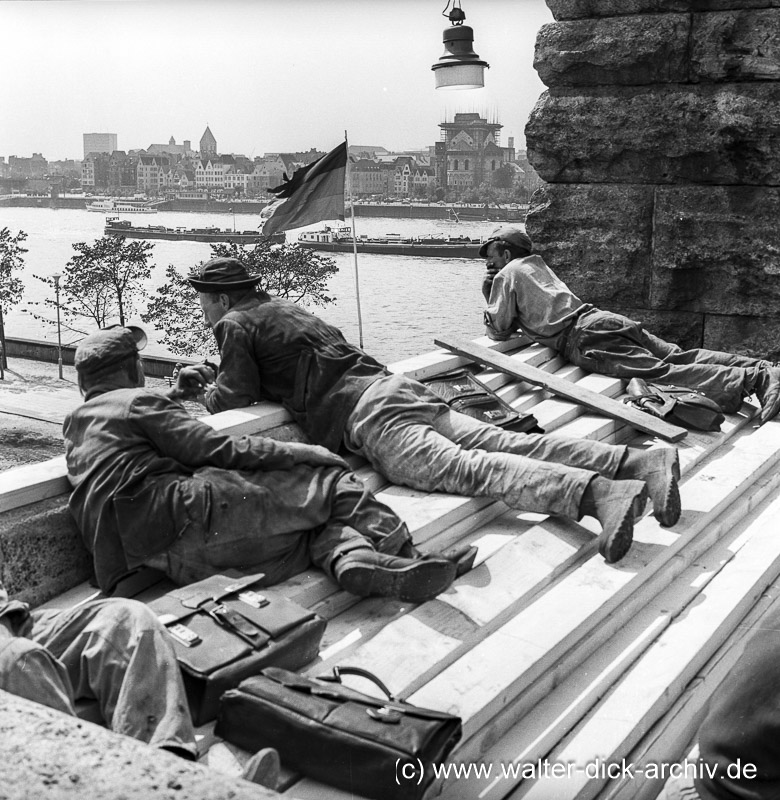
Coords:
pixel 222 274
pixel 107 347
pixel 508 233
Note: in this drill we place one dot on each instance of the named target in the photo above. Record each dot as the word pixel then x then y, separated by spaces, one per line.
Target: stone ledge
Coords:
pixel 48 755
pixel 41 551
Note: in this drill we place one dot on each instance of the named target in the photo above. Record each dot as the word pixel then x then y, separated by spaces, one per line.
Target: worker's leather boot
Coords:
pixel 659 468
pixel 615 504
pixel 767 391
pixel 462 555
pixel 367 573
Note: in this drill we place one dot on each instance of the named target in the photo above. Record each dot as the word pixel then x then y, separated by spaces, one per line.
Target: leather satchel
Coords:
pixel 371 747
pixel 675 404
pixel 468 395
pixel 224 631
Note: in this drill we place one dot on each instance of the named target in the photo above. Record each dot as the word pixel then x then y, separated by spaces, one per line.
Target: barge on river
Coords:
pixel 117 227
pixel 340 240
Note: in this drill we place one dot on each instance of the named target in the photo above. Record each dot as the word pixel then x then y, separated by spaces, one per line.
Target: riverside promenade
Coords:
pixel 34 402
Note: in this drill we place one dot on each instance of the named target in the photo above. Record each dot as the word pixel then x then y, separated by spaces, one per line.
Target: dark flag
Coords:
pixel 315 192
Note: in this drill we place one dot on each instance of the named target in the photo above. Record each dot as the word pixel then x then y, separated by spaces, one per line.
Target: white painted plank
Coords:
pixel 649 688
pixel 573 613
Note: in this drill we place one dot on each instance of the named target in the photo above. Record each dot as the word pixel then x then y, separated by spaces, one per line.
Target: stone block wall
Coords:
pixel 41 551
pixel 659 140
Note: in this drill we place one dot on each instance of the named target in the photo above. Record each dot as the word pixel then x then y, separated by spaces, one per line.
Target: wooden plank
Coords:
pixel 434 363
pixel 662 673
pixel 532 703
pixel 560 710
pixel 570 621
pixel 670 738
pixel 596 402
pixel 31 483
pixel 436 632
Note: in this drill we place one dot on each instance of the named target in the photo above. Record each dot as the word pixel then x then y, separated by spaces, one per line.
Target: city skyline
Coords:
pixel 264 75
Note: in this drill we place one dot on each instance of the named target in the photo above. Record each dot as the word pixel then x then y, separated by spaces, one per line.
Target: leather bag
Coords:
pixel 468 395
pixel 237 632
pixel 675 404
pixel 371 747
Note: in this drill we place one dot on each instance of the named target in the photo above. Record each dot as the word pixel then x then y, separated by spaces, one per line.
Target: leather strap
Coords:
pixel 234 622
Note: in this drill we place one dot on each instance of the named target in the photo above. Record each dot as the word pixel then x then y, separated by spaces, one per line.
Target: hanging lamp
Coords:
pixel 459 67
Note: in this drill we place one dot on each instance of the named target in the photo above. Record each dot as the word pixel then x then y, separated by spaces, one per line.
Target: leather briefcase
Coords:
pixel 223 632
pixel 371 747
pixel 675 404
pixel 468 395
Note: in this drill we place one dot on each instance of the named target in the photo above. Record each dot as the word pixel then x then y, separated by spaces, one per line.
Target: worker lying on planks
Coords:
pixel 113 651
pixel 524 294
pixel 739 739
pixel 271 349
pixel 153 485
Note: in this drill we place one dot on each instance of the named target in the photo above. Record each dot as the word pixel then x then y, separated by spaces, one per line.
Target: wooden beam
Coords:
pixel 571 700
pixel 563 388
pixel 559 629
pixel 663 672
pixel 668 741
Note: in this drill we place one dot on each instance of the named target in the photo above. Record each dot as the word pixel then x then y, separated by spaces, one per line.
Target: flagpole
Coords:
pixel 354 246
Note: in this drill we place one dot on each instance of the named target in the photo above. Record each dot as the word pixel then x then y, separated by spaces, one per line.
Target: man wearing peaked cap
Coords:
pixel 153 485
pixel 272 349
pixel 109 346
pixel 524 295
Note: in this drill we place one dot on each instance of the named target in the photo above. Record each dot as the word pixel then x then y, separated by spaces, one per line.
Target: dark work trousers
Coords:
pixel 611 344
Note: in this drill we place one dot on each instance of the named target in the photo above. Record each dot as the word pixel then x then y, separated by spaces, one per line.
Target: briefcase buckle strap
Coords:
pixel 234 622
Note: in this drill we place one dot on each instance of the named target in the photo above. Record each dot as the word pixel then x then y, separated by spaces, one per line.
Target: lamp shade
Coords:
pixel 459 67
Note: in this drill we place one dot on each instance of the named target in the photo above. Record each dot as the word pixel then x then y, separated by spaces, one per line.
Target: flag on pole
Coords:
pixel 315 192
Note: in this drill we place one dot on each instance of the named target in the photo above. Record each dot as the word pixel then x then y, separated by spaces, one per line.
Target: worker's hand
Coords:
pixel 315 456
pixel 487 281
pixel 192 380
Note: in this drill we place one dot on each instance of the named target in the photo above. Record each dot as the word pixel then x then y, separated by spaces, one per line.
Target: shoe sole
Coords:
pixel 671 509
pixel 615 545
pixel 416 583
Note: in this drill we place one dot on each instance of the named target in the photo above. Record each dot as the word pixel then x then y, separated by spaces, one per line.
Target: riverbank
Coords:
pixel 453 212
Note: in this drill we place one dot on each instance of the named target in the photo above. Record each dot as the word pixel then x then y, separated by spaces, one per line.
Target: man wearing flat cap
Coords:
pixel 272 349
pixel 153 485
pixel 524 295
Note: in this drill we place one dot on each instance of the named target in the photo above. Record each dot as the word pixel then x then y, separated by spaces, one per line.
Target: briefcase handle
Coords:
pixel 361 673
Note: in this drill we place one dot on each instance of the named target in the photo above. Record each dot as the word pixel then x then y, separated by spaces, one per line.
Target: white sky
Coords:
pixel 265 75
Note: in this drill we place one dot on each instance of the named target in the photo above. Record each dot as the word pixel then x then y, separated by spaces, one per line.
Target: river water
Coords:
pixel 405 301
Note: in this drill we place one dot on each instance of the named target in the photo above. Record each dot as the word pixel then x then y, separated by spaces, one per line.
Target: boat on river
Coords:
pixel 121 207
pixel 117 227
pixel 340 240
